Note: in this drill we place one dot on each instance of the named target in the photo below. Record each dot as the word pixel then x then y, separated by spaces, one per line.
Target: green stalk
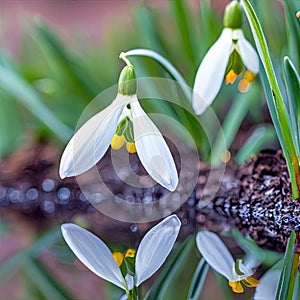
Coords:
pixel 164 62
pixel 286 142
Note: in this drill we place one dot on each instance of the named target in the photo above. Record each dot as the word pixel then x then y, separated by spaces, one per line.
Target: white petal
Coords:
pixel 211 72
pixel 155 247
pixel 152 149
pixel 91 141
pixel 244 269
pixel 215 253
pixel 267 288
pixel 129 281
pixel 93 253
pixel 248 54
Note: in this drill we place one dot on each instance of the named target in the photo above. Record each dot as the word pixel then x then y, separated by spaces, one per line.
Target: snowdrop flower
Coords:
pixel 226 58
pixel 150 255
pixel 268 285
pixel 219 258
pixel 123 121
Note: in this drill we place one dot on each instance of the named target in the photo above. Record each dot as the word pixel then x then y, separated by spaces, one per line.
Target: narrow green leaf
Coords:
pixel 233 120
pixel 292 80
pixel 183 19
pixel 261 136
pixel 51 280
pixel 10 124
pixel 288 146
pixel 285 277
pixel 34 250
pixel 198 280
pixel 223 285
pixel 62 63
pixel 177 261
pixel 294 272
pixel 148 29
pixel 45 281
pixel 293 29
pixel 16 86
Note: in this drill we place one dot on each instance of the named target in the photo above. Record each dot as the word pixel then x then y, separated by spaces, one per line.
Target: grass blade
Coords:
pixel 45 281
pixel 39 279
pixel 61 62
pixel 260 137
pixel 293 30
pixel 10 124
pixel 294 272
pixel 233 120
pixel 16 86
pixel 148 29
pixel 292 81
pixel 182 18
pixel 285 277
pixel 198 280
pixel 34 250
pixel 177 262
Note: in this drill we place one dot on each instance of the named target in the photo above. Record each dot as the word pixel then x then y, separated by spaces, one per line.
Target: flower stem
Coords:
pixel 132 295
pixel 123 56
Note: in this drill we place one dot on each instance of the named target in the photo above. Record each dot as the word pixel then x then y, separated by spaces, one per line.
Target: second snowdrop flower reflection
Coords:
pixel 226 58
pixel 151 253
pixel 219 258
pixel 123 121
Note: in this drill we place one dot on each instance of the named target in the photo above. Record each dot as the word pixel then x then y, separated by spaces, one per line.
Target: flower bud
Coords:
pixel 127 81
pixel 233 15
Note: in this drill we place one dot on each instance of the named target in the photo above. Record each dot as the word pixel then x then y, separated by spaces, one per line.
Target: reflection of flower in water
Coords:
pixel 151 253
pixel 219 258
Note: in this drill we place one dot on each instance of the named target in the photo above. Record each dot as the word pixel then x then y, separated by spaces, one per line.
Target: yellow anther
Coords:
pixel 130 147
pixel 130 252
pixel 249 76
pixel 236 286
pixel 244 86
pixel 117 142
pixel 250 282
pixel 118 256
pixel 230 77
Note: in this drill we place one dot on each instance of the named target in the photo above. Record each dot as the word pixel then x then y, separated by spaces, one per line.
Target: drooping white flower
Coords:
pixel 219 258
pixel 268 285
pixel 151 253
pixel 122 121
pixel 226 58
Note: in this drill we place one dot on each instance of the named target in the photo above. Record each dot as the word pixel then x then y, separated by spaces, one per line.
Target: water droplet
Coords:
pixel 14 196
pixel 48 207
pixel 82 197
pixel 133 228
pixel 63 195
pixel 48 185
pixel 32 194
pixel 96 198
